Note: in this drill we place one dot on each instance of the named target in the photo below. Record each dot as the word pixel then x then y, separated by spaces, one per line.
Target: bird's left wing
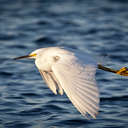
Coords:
pixel 78 82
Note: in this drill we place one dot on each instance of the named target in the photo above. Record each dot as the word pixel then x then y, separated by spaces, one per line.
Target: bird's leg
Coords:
pixel 106 69
pixel 123 71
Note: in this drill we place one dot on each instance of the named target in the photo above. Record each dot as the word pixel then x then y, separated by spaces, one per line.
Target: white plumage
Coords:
pixel 72 72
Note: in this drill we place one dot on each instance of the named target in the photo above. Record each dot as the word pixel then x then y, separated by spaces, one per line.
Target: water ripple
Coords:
pixel 100 28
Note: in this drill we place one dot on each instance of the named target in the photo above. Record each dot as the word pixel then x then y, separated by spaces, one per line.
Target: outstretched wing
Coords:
pixel 78 82
pixel 51 81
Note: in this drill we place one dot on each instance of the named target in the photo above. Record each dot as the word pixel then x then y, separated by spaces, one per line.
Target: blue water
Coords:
pixel 94 26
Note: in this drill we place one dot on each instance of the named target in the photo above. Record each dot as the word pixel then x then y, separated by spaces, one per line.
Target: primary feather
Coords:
pixel 73 72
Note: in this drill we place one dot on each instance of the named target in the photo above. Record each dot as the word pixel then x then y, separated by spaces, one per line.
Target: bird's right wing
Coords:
pixel 47 77
pixel 78 82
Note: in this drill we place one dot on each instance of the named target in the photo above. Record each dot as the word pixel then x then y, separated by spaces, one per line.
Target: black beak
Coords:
pixel 21 57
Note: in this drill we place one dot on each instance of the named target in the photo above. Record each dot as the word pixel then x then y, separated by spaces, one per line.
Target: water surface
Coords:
pixel 97 27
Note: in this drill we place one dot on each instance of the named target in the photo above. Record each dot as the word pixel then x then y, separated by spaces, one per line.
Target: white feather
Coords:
pixel 72 72
pixel 78 82
pixel 49 81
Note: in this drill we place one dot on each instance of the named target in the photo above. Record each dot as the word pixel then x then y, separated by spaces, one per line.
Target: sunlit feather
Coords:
pixel 79 84
pixel 72 72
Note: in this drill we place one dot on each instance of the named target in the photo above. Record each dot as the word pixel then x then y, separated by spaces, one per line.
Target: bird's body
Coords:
pixel 72 72
pixel 52 55
pixel 69 71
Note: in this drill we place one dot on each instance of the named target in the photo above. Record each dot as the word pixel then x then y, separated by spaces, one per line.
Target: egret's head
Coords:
pixel 32 55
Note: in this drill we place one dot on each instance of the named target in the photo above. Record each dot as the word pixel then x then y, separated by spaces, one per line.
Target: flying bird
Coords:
pixel 73 72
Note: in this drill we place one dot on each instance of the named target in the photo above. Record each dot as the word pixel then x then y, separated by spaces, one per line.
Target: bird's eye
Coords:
pixel 56 58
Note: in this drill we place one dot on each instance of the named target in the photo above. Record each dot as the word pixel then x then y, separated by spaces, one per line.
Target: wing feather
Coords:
pixel 49 81
pixel 59 88
pixel 78 82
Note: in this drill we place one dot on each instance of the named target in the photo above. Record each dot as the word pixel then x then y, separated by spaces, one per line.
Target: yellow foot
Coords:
pixel 123 71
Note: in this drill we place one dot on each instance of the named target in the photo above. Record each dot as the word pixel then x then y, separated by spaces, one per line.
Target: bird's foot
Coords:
pixel 123 71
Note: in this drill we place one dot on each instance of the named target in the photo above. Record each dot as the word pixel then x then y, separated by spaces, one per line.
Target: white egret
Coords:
pixel 72 72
